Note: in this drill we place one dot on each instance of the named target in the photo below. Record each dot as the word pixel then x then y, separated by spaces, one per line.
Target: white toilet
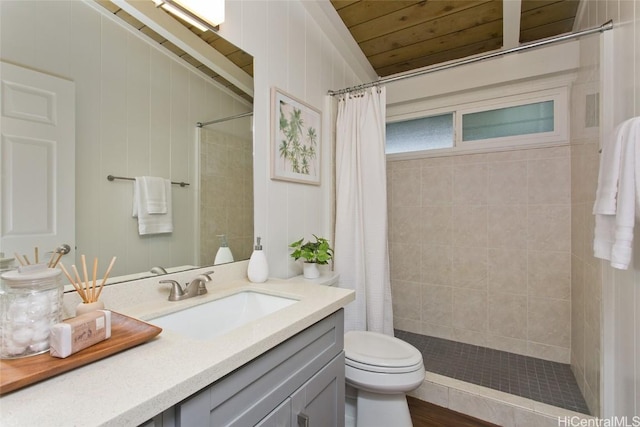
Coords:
pixel 382 369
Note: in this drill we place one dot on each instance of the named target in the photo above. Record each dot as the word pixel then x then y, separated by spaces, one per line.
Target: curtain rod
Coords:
pixel 604 27
pixel 237 116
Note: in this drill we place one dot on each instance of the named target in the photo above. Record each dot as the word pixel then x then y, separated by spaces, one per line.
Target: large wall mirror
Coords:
pixel 151 95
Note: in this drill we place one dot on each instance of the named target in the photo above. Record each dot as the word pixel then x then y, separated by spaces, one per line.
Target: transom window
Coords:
pixel 506 121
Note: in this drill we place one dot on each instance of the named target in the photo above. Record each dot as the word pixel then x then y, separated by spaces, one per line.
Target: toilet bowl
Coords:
pixel 382 369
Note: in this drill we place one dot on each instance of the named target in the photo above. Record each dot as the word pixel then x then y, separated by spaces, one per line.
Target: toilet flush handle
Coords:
pixel 303 420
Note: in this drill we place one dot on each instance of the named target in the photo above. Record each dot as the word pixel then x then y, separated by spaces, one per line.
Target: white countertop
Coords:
pixel 135 385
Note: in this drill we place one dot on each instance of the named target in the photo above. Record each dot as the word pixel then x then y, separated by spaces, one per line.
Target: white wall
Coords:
pixel 619 63
pixel 290 52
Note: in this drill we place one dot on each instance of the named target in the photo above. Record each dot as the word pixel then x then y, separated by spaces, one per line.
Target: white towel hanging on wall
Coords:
pixel 151 196
pixel 617 205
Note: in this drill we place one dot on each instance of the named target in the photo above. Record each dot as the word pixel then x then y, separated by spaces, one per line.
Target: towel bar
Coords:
pixel 112 177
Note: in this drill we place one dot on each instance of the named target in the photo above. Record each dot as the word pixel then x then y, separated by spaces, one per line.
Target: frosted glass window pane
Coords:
pixel 426 133
pixel 510 121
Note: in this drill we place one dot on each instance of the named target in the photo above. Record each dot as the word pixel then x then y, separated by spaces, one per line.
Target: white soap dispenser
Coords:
pixel 224 254
pixel 258 269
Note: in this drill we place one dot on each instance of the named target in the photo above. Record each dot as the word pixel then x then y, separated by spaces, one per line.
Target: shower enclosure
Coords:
pixel 226 186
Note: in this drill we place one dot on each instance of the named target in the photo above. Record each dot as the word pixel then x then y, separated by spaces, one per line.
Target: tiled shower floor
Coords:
pixel 541 380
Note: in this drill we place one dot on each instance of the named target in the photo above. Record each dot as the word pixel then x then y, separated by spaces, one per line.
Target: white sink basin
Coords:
pixel 208 320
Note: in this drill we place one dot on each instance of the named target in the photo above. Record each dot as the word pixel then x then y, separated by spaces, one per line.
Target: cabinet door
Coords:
pixel 320 401
pixel 279 417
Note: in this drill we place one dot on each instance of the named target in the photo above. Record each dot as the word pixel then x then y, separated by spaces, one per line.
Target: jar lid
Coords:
pixel 30 275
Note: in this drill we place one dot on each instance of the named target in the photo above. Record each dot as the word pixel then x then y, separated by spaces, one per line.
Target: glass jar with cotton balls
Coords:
pixel 30 303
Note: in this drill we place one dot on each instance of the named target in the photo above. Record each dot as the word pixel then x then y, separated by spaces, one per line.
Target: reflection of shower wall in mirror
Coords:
pixel 226 188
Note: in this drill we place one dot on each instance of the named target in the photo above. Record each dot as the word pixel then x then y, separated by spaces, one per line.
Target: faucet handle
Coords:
pixel 176 290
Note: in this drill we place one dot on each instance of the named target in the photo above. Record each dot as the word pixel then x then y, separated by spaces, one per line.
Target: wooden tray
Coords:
pixel 126 332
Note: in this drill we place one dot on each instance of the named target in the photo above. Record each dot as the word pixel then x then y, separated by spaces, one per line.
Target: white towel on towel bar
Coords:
pixel 615 206
pixel 152 222
pixel 156 198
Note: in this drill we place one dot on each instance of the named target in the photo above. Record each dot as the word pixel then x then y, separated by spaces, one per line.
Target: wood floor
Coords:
pixel 424 414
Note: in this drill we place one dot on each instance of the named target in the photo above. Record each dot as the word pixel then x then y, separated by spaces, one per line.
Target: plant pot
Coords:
pixel 310 270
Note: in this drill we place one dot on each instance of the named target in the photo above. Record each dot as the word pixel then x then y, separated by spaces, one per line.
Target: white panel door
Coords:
pixel 37 160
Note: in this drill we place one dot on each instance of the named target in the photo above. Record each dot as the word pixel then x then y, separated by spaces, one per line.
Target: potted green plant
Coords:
pixel 313 253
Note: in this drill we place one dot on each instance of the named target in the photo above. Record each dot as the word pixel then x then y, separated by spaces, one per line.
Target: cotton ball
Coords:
pixel 54 305
pixel 39 306
pixel 41 330
pixel 39 346
pixel 18 310
pixel 22 336
pixel 10 348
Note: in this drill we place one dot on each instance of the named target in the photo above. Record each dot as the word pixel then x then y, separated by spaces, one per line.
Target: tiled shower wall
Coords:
pixel 480 249
pixel 226 206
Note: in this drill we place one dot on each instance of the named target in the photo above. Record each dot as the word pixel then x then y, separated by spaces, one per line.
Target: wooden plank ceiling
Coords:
pixel 402 35
pixel 236 55
pixel 398 36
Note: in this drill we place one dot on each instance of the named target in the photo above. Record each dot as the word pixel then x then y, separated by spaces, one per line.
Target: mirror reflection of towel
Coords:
pixel 151 196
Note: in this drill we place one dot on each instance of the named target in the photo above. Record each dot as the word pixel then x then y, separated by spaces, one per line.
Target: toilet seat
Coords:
pixel 375 352
pixel 382 369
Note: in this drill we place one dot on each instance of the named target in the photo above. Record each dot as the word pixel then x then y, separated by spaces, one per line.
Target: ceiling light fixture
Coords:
pixel 202 14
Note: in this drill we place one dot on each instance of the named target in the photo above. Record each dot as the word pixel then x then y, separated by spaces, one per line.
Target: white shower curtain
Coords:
pixel 361 250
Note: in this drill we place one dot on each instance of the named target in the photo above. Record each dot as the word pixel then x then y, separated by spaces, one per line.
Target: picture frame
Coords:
pixel 296 139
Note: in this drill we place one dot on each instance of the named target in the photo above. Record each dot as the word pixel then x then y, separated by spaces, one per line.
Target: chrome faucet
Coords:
pixel 196 287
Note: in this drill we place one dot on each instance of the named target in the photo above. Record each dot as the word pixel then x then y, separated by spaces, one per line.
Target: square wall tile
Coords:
pixel 507 315
pixel 406 299
pixel 470 184
pixel 549 227
pixel 549 321
pixel 436 266
pixel 437 225
pixel 469 309
pixel 437 304
pixel 507 271
pixel 406 187
pixel 507 226
pixel 549 274
pixel 549 181
pixel 470 226
pixel 438 331
pixel 507 183
pixel 470 267
pixel 437 186
pixel 404 261
pixel 406 224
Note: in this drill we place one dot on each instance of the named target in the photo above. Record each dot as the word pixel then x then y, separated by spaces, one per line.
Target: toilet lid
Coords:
pixel 372 348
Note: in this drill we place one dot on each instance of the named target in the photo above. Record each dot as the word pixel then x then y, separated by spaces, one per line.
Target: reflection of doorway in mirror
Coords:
pixel 226 188
pixel 38 164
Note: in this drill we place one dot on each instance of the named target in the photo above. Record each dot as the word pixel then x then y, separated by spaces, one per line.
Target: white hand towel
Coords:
pixel 151 223
pixel 626 200
pixel 156 194
pixel 613 235
pixel 609 172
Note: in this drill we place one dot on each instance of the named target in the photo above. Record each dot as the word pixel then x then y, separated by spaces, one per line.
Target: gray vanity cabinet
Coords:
pixel 300 382
pixel 319 402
